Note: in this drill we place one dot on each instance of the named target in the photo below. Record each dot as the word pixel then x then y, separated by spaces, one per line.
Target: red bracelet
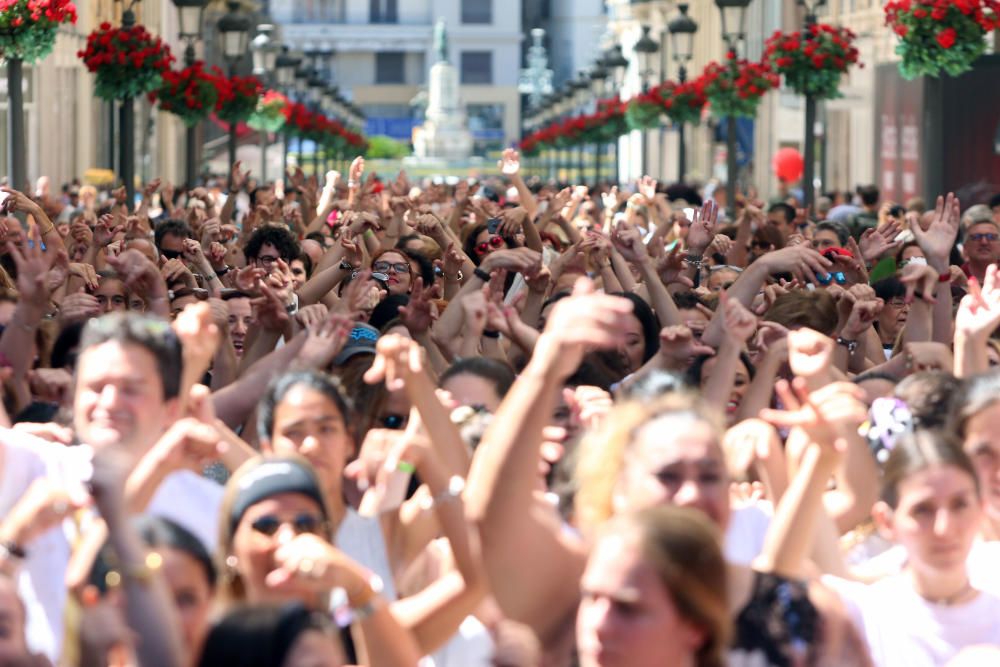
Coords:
pixel 944 277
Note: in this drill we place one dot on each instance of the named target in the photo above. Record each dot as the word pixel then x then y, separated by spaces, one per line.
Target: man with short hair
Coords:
pixel 981 248
pixel 169 238
pixel 867 217
pixel 781 216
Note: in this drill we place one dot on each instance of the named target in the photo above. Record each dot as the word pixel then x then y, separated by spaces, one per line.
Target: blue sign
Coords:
pixel 744 138
pixel 397 128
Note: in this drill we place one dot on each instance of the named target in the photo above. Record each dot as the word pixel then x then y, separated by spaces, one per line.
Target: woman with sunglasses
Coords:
pixel 481 242
pixel 394 269
pixel 274 549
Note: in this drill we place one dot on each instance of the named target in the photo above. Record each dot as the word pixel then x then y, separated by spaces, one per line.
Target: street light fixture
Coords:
pixel 190 14
pixel 617 64
pixel 265 51
pixel 682 29
pixel 734 16
pixel 808 175
pixel 734 20
pixel 645 53
pixel 234 31
pixel 284 67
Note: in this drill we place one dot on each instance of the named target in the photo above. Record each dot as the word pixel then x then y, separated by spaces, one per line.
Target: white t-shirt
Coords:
pixel 903 629
pixel 745 535
pixel 983 565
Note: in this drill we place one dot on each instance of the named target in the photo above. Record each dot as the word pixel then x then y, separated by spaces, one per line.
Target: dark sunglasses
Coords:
pixel 986 236
pixel 394 422
pixel 302 523
pixel 484 247
pixel 171 254
pixel 398 267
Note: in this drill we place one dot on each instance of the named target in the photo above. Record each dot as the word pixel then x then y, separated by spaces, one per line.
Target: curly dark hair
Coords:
pixel 282 240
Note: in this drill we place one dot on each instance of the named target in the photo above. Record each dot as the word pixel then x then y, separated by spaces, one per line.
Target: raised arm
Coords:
pixel 533 565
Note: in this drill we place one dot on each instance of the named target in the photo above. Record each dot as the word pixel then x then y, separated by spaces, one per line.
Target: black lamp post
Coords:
pixel 598 75
pixel 190 14
pixel 126 158
pixel 645 54
pixel 809 152
pixel 616 64
pixel 682 29
pixel 265 55
pixel 316 85
pixel 234 32
pixel 284 67
pixel 580 88
pixel 16 157
pixel 734 17
pixel 301 96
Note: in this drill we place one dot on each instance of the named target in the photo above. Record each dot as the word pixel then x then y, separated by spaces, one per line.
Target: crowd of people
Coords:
pixel 351 420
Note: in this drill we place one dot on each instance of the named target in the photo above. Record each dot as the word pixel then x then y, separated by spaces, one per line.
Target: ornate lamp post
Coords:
pixel 265 55
pixel 734 17
pixel 645 55
pixel 616 64
pixel 598 75
pixel 190 14
pixel 580 88
pixel 234 31
pixel 809 152
pixel 682 29
pixel 284 67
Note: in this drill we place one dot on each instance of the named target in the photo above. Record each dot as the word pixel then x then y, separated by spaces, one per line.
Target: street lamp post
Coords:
pixel 598 75
pixel 284 68
pixel 581 91
pixel 126 158
pixel 734 15
pixel 190 13
pixel 301 92
pixel 265 56
pixel 234 31
pixel 16 157
pixel 682 29
pixel 645 54
pixel 808 185
pixel 616 63
pixel 316 85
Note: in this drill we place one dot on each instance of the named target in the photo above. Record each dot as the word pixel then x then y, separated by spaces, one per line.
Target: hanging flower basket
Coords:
pixel 127 62
pixel 238 98
pixel 28 27
pixel 269 116
pixel 939 35
pixel 683 102
pixel 812 62
pixel 735 87
pixel 190 94
pixel 644 110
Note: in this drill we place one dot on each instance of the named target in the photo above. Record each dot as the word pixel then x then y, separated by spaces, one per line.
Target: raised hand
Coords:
pixel 238 177
pixel 325 340
pixel 830 416
pixel 312 316
pixel 421 312
pixel 78 307
pixel 679 347
pixel 520 260
pixel 805 264
pixel 610 199
pixel 702 229
pixel 877 242
pixel 628 242
pixel 356 171
pixel 862 307
pixel 269 308
pixel 199 335
pixel 510 163
pixel 105 230
pixel 979 311
pixel 33 266
pixel 581 322
pixel 647 188
pixel 938 239
pixel 920 280
pixel 670 267
pixel 396 359
pixel 741 324
pixel 810 353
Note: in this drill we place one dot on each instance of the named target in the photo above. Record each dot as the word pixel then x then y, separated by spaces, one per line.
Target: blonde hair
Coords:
pixel 602 453
pixel 682 546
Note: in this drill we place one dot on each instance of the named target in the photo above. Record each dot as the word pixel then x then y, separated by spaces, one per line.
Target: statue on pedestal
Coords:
pixel 444 134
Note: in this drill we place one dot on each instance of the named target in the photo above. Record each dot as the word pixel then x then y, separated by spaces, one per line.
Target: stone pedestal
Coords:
pixel 444 134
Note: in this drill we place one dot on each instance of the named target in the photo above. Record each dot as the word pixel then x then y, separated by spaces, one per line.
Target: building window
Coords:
pixel 389 67
pixel 477 11
pixel 477 67
pixel 383 11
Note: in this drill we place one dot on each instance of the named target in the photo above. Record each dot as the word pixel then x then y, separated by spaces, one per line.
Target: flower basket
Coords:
pixel 238 97
pixel 127 62
pixel 940 35
pixel 190 94
pixel 28 27
pixel 813 62
pixel 643 111
pixel 269 116
pixel 735 87
pixel 683 102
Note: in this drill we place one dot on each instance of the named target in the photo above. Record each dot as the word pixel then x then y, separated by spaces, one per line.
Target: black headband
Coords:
pixel 270 478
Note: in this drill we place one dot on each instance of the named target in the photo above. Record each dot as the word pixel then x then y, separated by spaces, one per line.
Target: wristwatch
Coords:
pixel 851 345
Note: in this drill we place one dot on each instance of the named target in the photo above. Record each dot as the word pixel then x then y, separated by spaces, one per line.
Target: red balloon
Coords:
pixel 788 165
